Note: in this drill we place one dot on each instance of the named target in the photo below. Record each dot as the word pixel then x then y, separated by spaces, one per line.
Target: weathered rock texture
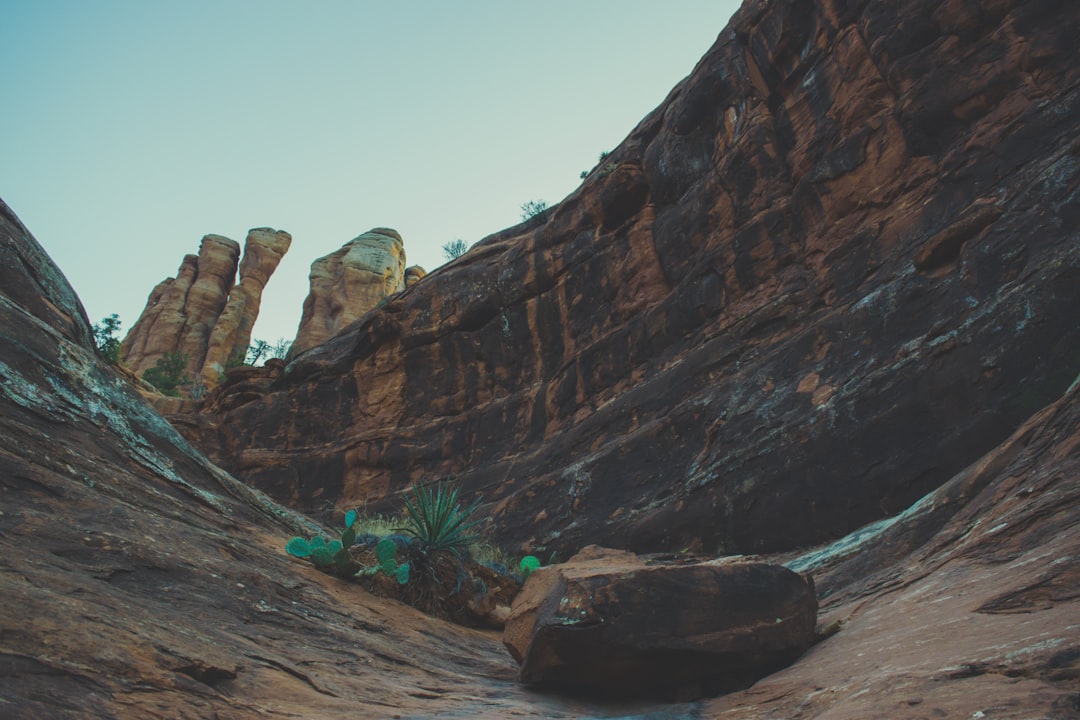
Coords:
pixel 835 266
pixel 202 312
pixel 348 283
pixel 605 622
pixel 231 335
pixel 414 274
pixel 965 606
pixel 140 581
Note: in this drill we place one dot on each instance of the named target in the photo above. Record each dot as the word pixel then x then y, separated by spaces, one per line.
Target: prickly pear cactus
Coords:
pixel 298 547
pixel 386 554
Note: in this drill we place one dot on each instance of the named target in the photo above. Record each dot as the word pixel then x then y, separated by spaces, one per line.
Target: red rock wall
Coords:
pixel 837 264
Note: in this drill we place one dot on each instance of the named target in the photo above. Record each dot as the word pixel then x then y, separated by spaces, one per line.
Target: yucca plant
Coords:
pixel 437 520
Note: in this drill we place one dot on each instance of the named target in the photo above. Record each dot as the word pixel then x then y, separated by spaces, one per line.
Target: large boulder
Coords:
pixel 607 622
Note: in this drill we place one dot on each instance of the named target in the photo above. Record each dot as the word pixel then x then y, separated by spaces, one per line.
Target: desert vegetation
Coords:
pixel 433 556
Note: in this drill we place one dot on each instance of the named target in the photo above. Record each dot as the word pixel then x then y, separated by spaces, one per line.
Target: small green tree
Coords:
pixel 168 374
pixel 256 350
pixel 264 350
pixel 106 340
pixel 533 208
pixel 454 248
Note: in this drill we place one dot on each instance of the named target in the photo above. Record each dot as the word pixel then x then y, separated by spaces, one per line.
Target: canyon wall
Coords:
pixel 835 266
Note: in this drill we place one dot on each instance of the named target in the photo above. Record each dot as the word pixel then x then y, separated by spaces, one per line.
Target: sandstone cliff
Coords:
pixel 202 312
pixel 837 265
pixel 231 334
pixel 141 581
pixel 349 282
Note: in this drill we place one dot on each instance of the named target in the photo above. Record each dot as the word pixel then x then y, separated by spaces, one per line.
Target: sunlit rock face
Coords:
pixel 348 283
pixel 757 372
pixel 229 340
pixel 181 311
pixel 202 312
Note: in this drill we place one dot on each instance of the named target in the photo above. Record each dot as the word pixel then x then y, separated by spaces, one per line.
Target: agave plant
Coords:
pixel 437 520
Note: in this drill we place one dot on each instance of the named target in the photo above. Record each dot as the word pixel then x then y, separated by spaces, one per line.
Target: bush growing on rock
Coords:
pixel 425 558
pixel 527 565
pixel 454 248
pixel 438 522
pixel 533 208
pixel 106 340
pixel 168 374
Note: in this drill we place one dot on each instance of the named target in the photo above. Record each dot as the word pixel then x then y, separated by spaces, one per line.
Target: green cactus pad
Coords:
pixel 350 519
pixel 348 537
pixel 402 573
pixel 298 547
pixel 386 554
pixel 322 556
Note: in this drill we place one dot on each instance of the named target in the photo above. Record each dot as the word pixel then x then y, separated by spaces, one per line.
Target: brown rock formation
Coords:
pixel 837 265
pixel 263 250
pixel 349 282
pixel 605 622
pixel 413 274
pixel 181 311
pixel 200 312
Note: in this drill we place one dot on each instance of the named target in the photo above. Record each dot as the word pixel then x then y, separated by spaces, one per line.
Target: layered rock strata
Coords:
pixel 202 312
pixel 836 265
pixel 348 283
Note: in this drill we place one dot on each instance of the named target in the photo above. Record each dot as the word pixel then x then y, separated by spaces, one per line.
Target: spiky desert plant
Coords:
pixel 437 520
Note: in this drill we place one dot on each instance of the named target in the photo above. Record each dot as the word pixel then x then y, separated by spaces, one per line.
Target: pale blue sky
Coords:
pixel 130 129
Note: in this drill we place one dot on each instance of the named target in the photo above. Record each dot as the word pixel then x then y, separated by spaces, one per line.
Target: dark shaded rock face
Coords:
pixel 605 622
pixel 836 265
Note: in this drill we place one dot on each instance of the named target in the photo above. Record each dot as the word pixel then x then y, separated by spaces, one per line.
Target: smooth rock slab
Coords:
pixel 606 622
